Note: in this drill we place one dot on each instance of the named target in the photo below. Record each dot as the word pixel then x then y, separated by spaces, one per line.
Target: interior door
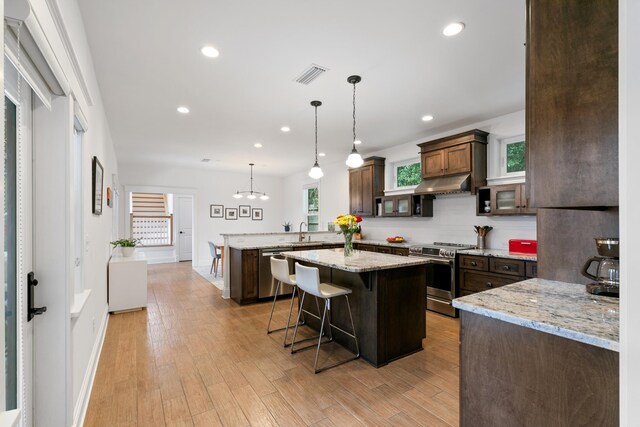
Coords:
pixel 184 209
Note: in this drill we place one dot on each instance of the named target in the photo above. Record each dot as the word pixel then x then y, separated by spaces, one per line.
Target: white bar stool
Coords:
pixel 308 280
pixel 280 273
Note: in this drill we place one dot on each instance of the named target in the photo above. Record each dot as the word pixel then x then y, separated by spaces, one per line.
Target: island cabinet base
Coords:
pixel 388 311
pixel 515 376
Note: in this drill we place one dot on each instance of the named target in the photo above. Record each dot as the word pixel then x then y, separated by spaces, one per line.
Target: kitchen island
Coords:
pixel 388 300
pixel 538 352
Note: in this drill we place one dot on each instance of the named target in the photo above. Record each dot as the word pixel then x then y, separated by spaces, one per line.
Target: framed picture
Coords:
pixel 216 211
pixel 231 213
pixel 96 186
pixel 256 214
pixel 245 211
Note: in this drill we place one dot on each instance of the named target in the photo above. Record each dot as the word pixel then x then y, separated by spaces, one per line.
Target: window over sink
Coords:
pixel 311 206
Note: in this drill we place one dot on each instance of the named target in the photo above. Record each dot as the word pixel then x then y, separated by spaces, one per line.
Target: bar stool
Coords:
pixel 280 273
pixel 308 280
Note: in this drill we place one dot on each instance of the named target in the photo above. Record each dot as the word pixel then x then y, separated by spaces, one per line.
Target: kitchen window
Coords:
pixel 512 156
pixel 407 173
pixel 310 198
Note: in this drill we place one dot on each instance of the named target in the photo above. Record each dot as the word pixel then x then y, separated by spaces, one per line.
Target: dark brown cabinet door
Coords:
pixel 355 191
pixel 384 250
pixel 433 164
pixel 457 159
pixel 249 274
pixel 524 201
pixel 505 199
pixel 388 206
pixel 367 191
pixel 572 103
pixel 403 205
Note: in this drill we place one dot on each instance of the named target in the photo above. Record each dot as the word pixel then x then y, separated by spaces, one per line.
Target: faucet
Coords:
pixel 300 234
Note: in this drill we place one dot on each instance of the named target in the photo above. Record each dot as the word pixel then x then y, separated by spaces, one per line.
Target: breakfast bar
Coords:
pixel 388 300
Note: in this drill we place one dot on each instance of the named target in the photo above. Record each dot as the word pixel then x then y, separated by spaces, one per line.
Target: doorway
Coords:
pixel 184 227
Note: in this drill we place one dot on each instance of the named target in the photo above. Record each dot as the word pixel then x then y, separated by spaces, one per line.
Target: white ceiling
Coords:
pixel 148 61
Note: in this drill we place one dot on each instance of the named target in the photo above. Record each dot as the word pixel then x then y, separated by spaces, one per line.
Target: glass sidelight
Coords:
pixel 10 255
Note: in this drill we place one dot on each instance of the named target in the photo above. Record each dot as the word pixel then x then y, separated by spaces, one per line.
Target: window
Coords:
pixel 407 173
pixel 311 207
pixel 512 156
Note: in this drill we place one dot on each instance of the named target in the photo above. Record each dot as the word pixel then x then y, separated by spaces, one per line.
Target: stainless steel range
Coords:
pixel 441 274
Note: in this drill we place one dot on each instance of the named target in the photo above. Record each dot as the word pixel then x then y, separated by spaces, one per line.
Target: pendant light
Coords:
pixel 252 194
pixel 355 159
pixel 316 172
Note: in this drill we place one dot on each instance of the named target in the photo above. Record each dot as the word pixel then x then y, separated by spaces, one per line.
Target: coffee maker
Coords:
pixel 607 272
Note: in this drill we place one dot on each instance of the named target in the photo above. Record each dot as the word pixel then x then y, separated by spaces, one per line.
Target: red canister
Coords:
pixel 522 246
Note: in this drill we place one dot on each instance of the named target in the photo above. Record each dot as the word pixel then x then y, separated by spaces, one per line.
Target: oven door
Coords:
pixel 440 278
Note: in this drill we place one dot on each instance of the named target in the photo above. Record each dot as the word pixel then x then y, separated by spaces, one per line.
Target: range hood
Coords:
pixel 444 184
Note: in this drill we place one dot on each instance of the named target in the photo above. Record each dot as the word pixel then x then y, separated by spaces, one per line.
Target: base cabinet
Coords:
pixel 515 376
pixel 244 275
pixel 479 273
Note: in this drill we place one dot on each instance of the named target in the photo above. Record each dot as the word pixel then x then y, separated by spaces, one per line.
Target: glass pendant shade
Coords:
pixel 264 197
pixel 355 159
pixel 316 172
pixel 237 196
pixel 251 196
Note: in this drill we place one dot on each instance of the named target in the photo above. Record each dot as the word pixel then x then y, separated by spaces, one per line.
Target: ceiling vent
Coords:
pixel 310 74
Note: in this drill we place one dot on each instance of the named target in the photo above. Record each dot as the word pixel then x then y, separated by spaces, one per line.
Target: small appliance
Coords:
pixel 607 272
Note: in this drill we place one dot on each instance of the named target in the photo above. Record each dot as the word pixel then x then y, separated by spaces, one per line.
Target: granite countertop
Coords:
pixel 360 262
pixel 384 243
pixel 270 233
pixel 558 308
pixel 280 245
pixel 500 253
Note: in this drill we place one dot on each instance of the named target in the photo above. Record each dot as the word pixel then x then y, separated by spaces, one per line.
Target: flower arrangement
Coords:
pixel 349 224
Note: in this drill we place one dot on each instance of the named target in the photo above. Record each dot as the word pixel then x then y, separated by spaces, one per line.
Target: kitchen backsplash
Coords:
pixel 453 221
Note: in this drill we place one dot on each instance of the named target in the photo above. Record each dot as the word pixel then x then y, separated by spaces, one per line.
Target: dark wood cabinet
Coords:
pixel 384 249
pixel 365 184
pixel 479 273
pixel 397 205
pixel 508 199
pixel 465 152
pixel 572 103
pixel 244 275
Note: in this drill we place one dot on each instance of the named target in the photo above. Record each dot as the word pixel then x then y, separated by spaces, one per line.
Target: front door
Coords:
pixel 18 248
pixel 184 226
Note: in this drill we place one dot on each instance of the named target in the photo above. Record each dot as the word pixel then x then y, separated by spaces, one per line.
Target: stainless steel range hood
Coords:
pixel 444 185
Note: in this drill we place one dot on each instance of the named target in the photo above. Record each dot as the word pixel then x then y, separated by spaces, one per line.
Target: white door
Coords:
pixel 18 247
pixel 184 219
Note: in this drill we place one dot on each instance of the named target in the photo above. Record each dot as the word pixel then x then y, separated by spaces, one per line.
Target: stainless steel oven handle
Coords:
pixel 271 253
pixel 443 301
pixel 435 260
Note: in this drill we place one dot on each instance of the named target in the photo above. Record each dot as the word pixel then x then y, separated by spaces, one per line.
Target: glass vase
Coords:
pixel 348 244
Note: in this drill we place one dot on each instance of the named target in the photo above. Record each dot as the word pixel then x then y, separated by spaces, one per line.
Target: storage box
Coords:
pixel 523 246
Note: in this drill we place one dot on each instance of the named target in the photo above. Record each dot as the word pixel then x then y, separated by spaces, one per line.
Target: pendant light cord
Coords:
pixel 354 115
pixel 316 108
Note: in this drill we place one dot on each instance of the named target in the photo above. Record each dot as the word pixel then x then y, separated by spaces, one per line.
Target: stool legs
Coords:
pixel 273 306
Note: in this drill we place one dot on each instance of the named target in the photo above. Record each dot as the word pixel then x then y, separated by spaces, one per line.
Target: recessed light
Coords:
pixel 427 118
pixel 210 52
pixel 183 110
pixel 453 29
pixel 357 142
pixel 285 128
pixel 321 154
pixel 257 145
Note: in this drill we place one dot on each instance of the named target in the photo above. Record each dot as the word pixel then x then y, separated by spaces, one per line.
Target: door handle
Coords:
pixel 181 232
pixel 32 311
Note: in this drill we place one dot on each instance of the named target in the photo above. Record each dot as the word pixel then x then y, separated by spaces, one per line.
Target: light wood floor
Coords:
pixel 193 358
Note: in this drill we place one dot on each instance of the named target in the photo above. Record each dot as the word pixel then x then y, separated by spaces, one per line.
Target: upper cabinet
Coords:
pixel 572 103
pixel 461 154
pixel 365 184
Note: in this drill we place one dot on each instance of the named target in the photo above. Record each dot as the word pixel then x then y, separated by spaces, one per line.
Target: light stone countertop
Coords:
pixel 500 253
pixel 360 262
pixel 274 233
pixel 282 245
pixel 557 308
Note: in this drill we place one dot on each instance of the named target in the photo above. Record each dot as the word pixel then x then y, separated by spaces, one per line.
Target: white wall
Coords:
pixel 86 330
pixel 629 207
pixel 454 215
pixel 212 187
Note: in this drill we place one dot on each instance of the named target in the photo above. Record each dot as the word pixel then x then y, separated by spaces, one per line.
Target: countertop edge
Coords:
pixel 499 253
pixel 297 255
pixel 539 326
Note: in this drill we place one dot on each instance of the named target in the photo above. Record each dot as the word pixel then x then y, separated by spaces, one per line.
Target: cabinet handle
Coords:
pixel 506 268
pixel 474 264
pixel 489 285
